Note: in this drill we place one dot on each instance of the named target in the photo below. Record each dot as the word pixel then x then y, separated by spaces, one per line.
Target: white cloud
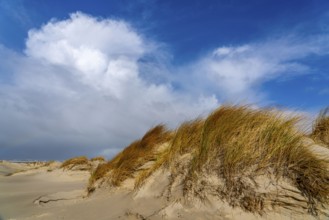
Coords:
pixel 237 72
pixel 78 89
pixel 103 52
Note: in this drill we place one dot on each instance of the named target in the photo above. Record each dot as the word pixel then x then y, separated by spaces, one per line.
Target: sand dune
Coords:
pixel 39 194
pixel 238 163
pixel 20 191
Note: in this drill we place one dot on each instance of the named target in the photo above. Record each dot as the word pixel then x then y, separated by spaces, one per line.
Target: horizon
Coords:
pixel 90 78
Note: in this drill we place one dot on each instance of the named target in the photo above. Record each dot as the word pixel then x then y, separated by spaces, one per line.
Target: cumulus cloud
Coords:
pixel 78 89
pixel 104 53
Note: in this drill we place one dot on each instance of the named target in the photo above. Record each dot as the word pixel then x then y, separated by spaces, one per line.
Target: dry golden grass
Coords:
pixel 70 163
pixel 126 163
pixel 48 163
pixel 240 137
pixel 233 142
pixel 101 159
pixel 320 130
pixel 237 139
pixel 100 172
pixel 185 140
pixel 161 159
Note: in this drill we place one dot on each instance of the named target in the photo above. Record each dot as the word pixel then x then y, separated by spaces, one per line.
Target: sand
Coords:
pixel 49 192
pixel 40 194
pixel 20 191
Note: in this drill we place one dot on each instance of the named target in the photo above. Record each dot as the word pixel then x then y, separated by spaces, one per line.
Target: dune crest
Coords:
pixel 237 163
pixel 253 159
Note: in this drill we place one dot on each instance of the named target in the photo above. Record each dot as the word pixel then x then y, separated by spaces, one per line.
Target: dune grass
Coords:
pixel 237 139
pixel 70 163
pixel 320 130
pixel 240 137
pixel 186 139
pixel 233 142
pixel 126 163
pixel 160 160
pixel 99 158
pixel 48 163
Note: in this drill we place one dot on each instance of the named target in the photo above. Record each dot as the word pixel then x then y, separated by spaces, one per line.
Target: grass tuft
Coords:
pixel 237 139
pixel 70 163
pixel 320 130
pixel 126 163
pixel 187 139
pixel 101 159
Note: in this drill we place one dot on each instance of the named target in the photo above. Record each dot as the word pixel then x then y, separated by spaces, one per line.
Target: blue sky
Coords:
pixel 89 77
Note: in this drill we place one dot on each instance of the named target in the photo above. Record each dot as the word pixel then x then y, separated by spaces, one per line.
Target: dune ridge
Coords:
pixel 255 159
pixel 238 163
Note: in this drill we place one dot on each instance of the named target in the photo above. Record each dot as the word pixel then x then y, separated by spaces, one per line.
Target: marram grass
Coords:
pixel 70 163
pixel 231 141
pixel 320 130
pixel 185 140
pixel 126 163
pixel 236 139
pixel 99 158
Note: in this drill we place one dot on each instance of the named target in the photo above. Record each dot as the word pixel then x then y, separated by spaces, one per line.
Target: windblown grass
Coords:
pixel 235 143
pixel 49 163
pixel 185 140
pixel 320 130
pixel 160 160
pixel 126 163
pixel 238 139
pixel 101 159
pixel 75 161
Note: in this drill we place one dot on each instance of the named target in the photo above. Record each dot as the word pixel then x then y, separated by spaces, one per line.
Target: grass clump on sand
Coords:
pixel 320 130
pixel 49 162
pixel 126 163
pixel 75 161
pixel 235 143
pixel 101 159
pixel 240 140
pixel 186 139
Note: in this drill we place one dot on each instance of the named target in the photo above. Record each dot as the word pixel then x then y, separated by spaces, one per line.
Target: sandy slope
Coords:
pixel 20 191
pixel 38 194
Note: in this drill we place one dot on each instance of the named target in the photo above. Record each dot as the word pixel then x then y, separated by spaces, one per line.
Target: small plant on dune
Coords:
pixel 101 159
pixel 320 130
pixel 186 139
pixel 160 160
pixel 239 140
pixel 100 172
pixel 48 163
pixel 126 163
pixel 75 161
